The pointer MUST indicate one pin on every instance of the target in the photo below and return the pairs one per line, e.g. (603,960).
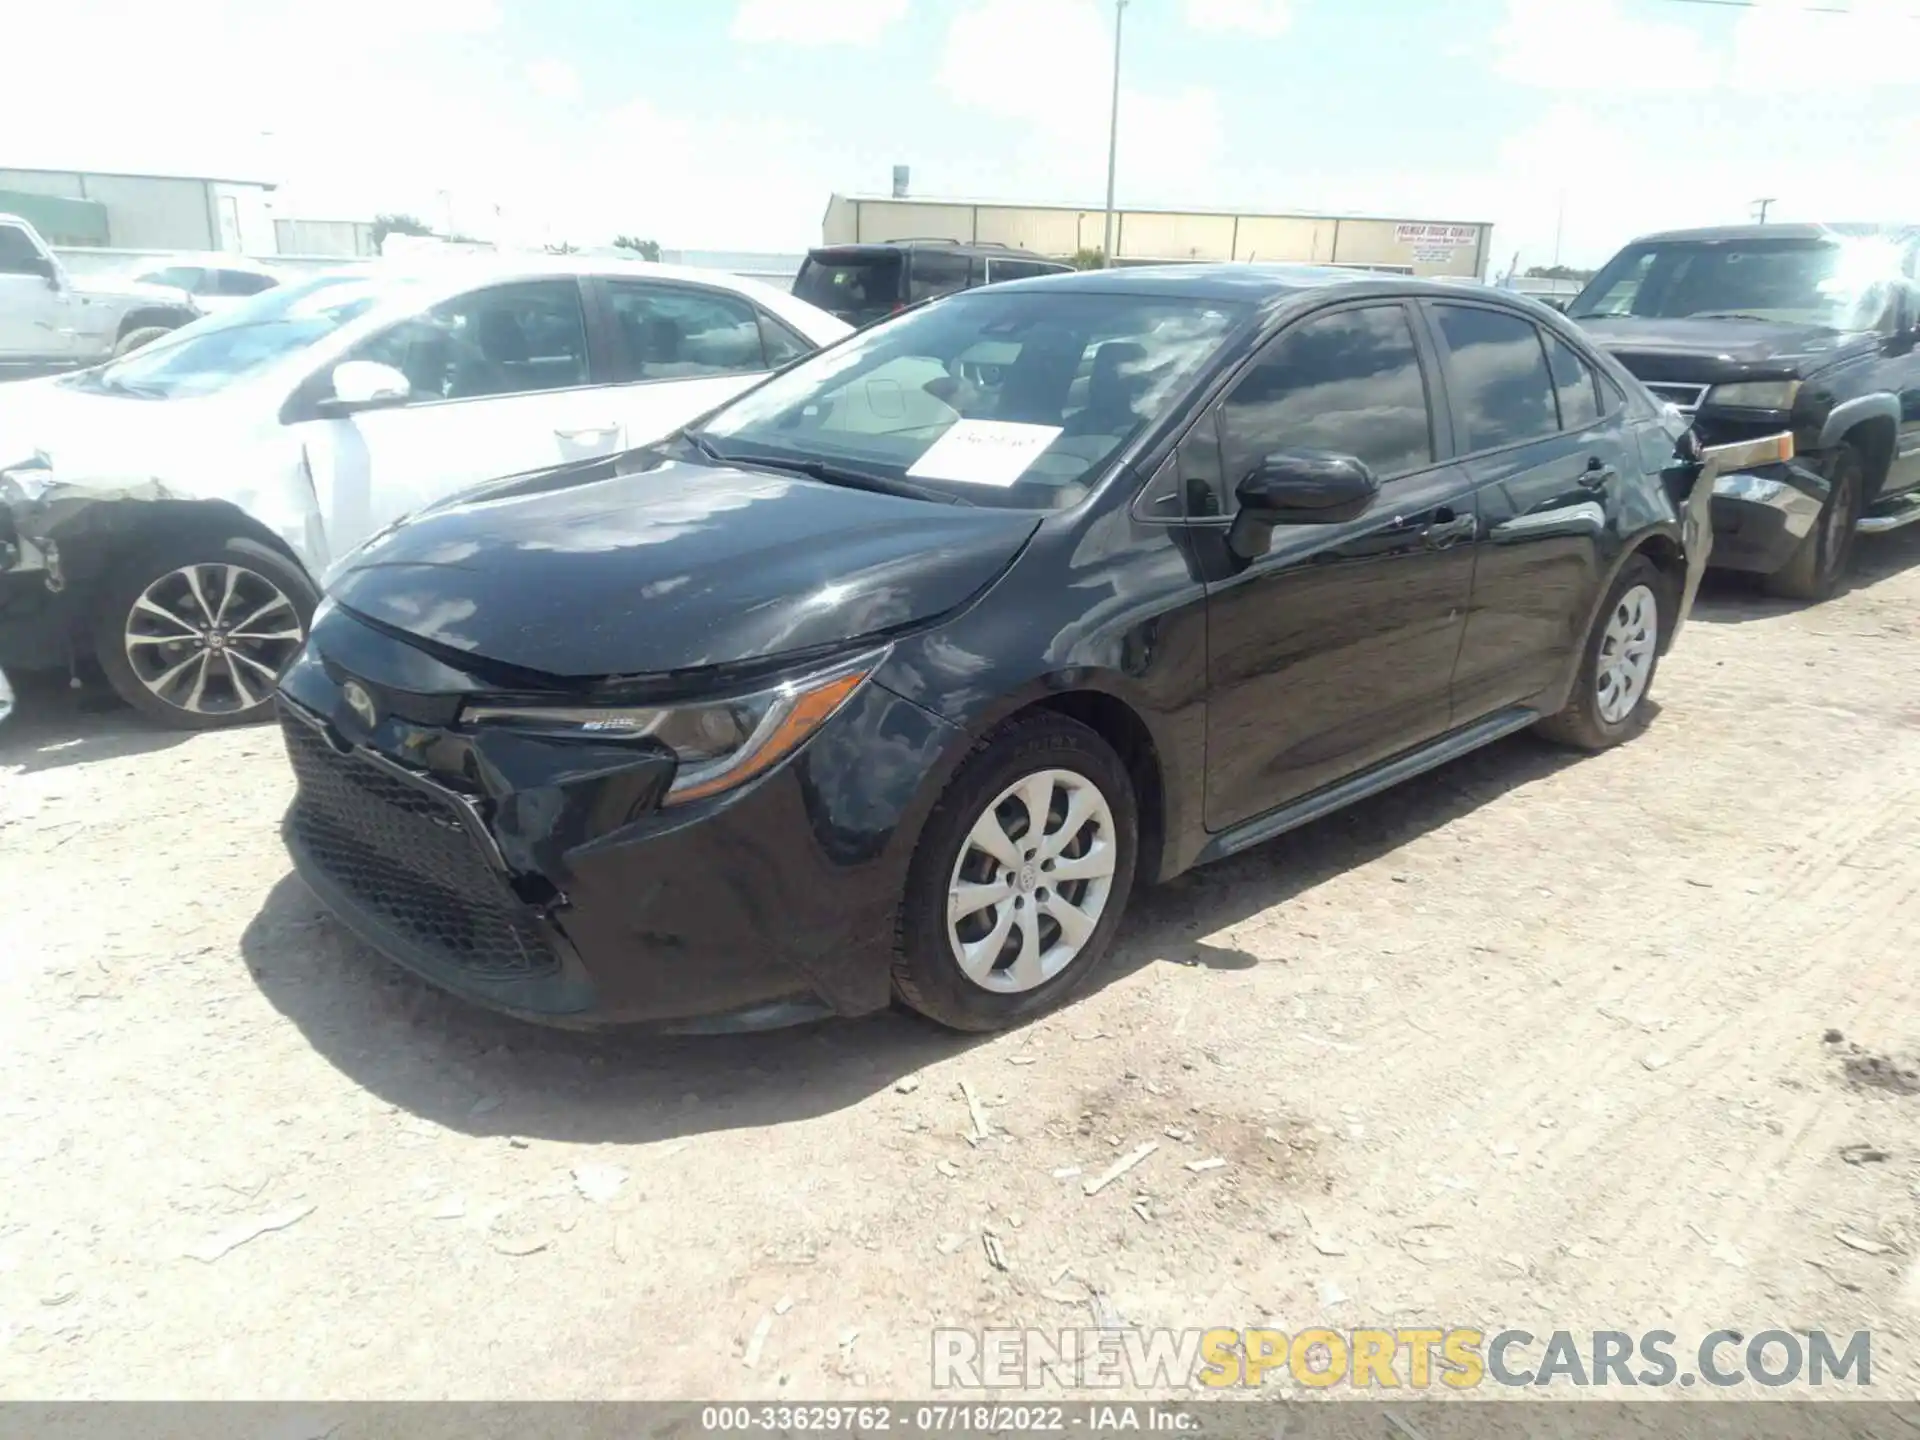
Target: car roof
(972,247)
(1841,230)
(1264,285)
(452,273)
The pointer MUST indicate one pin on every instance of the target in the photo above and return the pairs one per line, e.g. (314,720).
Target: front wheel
(194,630)
(1610,696)
(1819,565)
(134,339)
(1020,878)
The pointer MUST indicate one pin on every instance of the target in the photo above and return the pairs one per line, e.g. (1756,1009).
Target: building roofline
(984,203)
(139,175)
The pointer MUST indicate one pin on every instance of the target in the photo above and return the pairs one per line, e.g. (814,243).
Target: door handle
(1448,528)
(586,431)
(1597,475)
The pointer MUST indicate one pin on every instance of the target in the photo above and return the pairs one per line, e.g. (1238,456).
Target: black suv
(1769,327)
(863,284)
(893,674)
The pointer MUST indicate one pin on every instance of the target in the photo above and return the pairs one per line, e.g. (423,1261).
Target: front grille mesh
(404,855)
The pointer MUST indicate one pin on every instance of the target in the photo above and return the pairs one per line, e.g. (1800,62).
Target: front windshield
(213,353)
(1839,283)
(1014,398)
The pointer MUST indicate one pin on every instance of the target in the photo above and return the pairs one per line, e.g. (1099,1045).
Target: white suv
(167,514)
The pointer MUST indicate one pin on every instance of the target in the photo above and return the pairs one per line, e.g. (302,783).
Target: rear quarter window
(856,287)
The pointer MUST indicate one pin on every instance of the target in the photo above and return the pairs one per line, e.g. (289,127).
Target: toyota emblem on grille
(361,703)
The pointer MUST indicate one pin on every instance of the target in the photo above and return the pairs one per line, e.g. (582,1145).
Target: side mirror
(1298,487)
(365,385)
(43,266)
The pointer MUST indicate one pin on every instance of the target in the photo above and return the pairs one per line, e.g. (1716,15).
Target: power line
(1796,9)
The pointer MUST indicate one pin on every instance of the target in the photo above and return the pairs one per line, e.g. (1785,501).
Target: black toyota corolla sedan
(892,676)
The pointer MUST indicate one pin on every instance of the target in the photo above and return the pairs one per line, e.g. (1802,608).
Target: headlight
(1756,394)
(25,481)
(719,744)
(1756,488)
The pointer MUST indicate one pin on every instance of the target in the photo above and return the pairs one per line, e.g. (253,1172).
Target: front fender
(1849,413)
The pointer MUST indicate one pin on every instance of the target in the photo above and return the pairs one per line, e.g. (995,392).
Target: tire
(1820,564)
(134,339)
(1637,613)
(236,631)
(1077,767)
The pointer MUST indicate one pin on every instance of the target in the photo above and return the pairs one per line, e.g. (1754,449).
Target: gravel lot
(1534,1041)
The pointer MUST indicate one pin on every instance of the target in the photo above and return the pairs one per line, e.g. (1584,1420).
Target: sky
(1571,125)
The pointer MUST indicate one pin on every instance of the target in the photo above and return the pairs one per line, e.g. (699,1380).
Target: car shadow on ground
(1727,597)
(483,1074)
(54,725)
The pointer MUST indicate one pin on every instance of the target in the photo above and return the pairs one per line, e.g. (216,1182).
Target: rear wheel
(134,339)
(1820,564)
(195,630)
(1020,878)
(1609,702)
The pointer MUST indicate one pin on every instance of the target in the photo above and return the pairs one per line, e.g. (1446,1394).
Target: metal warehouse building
(1403,246)
(141,212)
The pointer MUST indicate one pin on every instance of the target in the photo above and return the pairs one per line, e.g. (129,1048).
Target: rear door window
(936,272)
(237,282)
(998,269)
(859,287)
(682,332)
(1497,377)
(1574,382)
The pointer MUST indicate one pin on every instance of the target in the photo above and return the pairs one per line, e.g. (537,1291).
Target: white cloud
(1567,45)
(1254,17)
(1876,43)
(554,79)
(815,22)
(1047,65)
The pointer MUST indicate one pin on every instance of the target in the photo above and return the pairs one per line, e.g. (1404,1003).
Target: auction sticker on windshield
(984,452)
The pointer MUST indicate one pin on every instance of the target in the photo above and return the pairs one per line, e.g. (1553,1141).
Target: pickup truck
(51,320)
(1754,329)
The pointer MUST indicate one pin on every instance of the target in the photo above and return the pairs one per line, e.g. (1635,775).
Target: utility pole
(1113,133)
(1763,204)
(1559,226)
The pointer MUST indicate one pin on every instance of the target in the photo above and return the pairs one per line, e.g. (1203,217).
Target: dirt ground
(1534,1041)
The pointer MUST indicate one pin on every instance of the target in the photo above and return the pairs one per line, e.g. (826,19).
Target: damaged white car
(166,516)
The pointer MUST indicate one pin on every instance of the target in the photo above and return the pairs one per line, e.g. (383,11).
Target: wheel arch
(1090,699)
(1661,546)
(1876,438)
(166,317)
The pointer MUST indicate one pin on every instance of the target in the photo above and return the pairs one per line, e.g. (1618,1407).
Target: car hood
(645,566)
(1715,349)
(90,437)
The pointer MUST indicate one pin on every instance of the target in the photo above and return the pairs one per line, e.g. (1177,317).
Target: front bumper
(1762,515)
(539,876)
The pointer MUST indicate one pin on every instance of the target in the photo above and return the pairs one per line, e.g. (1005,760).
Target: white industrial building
(142,212)
(1400,245)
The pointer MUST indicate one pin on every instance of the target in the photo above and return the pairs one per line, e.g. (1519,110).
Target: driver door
(502,381)
(36,316)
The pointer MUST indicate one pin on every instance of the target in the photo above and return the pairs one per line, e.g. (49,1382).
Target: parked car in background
(167,515)
(865,283)
(216,282)
(1751,329)
(51,320)
(890,676)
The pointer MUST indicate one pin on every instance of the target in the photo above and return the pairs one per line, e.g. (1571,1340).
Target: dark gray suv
(866,283)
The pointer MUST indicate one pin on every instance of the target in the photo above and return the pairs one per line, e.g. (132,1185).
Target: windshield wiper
(1731,315)
(853,479)
(706,447)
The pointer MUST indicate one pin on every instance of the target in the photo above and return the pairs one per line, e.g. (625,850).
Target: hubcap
(1626,654)
(1032,881)
(212,639)
(6,697)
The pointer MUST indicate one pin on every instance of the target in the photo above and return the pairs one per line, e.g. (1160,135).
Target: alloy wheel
(212,639)
(1627,647)
(1033,878)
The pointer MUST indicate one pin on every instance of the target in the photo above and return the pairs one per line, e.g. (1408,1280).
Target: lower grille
(406,856)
